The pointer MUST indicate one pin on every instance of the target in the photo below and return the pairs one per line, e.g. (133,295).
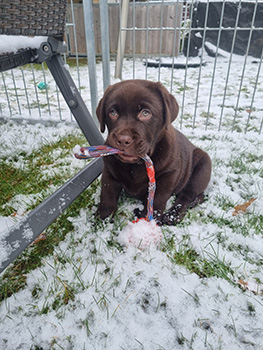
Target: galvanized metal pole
(161,41)
(187,58)
(178,12)
(7,95)
(75,41)
(35,87)
(254,94)
(215,62)
(105,47)
(133,37)
(200,68)
(229,63)
(245,62)
(122,38)
(25,89)
(90,42)
(147,39)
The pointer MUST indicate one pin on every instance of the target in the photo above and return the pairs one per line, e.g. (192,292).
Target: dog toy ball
(141,232)
(42,85)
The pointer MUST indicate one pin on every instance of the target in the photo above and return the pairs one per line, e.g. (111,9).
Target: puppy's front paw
(157,215)
(139,213)
(104,212)
(174,216)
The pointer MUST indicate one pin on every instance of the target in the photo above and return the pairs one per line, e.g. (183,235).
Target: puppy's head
(136,113)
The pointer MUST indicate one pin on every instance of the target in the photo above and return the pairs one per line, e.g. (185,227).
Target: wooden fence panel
(160,34)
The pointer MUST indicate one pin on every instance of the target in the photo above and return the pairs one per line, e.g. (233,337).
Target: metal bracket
(48,49)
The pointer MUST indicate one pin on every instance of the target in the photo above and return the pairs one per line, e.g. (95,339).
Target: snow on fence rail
(213,68)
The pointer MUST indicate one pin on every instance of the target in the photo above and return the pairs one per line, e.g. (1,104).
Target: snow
(141,234)
(176,61)
(235,1)
(76,149)
(133,298)
(5,225)
(20,138)
(27,233)
(217,50)
(14,43)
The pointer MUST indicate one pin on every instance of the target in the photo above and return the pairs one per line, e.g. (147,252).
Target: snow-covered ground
(142,299)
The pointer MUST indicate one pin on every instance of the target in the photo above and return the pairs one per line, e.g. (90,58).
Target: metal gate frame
(30,227)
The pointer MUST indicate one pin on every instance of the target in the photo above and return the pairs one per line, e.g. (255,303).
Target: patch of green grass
(249,223)
(207,264)
(72,62)
(202,267)
(207,115)
(224,202)
(239,166)
(187,116)
(195,263)
(30,179)
(14,278)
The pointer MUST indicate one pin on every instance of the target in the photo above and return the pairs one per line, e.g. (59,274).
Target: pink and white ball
(141,234)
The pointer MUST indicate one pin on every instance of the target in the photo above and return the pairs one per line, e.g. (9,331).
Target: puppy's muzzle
(124,141)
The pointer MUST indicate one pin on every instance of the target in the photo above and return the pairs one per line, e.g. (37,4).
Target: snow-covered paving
(92,293)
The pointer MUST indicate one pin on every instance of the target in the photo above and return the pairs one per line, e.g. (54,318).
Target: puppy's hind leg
(193,193)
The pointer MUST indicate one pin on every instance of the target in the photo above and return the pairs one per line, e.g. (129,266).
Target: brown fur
(138,115)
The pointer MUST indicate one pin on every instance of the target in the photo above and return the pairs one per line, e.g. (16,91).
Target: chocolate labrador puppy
(138,115)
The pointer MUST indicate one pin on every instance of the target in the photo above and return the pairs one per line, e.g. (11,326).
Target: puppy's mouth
(126,158)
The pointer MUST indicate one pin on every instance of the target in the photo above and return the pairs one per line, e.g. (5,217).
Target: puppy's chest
(134,181)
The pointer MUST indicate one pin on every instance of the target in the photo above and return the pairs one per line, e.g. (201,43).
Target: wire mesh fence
(208,54)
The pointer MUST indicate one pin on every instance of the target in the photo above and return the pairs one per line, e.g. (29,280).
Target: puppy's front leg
(162,194)
(110,192)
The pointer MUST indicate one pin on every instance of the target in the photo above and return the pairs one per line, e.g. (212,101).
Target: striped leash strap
(104,150)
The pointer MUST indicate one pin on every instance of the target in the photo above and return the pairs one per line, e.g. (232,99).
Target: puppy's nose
(124,141)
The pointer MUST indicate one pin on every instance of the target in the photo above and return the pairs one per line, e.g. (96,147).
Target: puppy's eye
(113,114)
(145,114)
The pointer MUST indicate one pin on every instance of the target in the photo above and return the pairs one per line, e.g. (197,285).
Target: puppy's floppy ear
(100,111)
(100,114)
(170,104)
